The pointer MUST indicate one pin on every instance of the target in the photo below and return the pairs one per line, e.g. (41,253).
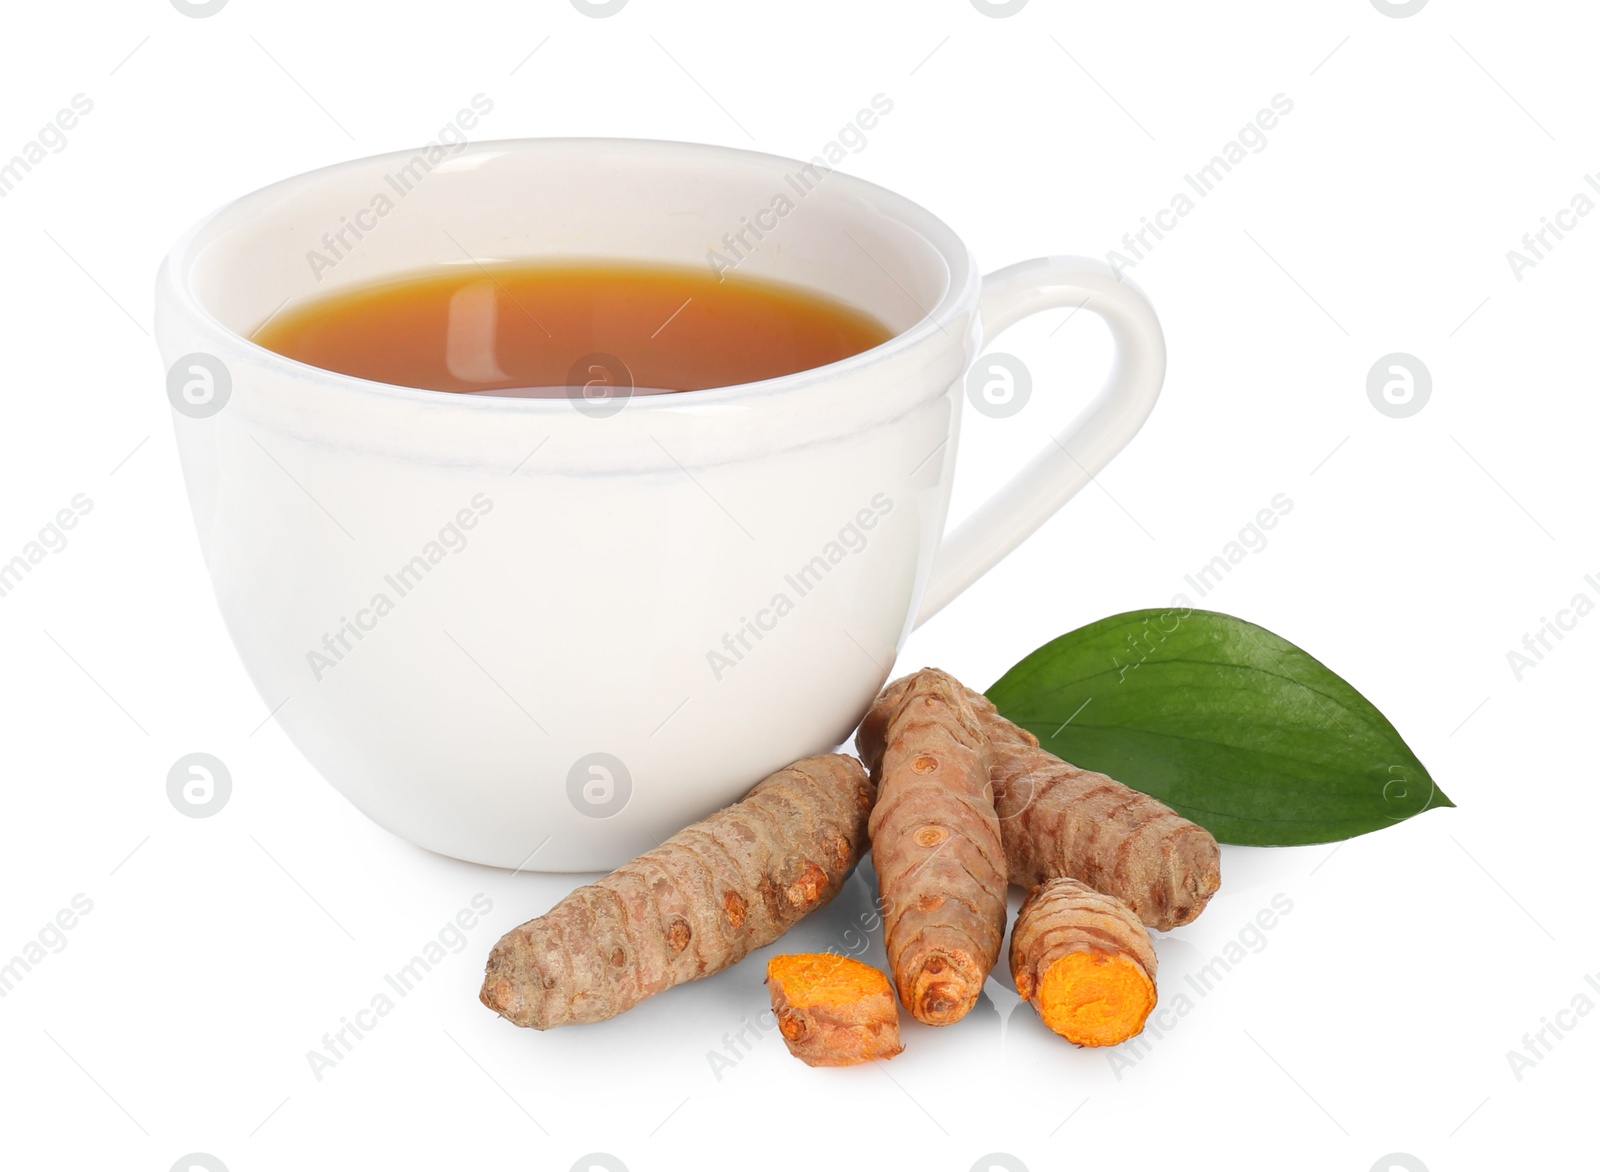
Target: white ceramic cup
(548,633)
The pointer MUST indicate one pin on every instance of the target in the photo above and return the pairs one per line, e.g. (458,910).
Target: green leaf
(1230,725)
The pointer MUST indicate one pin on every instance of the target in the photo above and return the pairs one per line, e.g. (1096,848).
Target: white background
(1377,1017)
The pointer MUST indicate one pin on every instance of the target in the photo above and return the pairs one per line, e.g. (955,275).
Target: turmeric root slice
(832,1010)
(936,845)
(691,907)
(1085,962)
(1059,820)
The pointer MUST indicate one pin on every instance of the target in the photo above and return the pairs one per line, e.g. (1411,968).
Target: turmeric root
(691,907)
(1084,961)
(936,845)
(1059,820)
(832,1010)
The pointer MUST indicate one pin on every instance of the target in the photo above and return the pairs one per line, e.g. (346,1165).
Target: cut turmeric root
(936,846)
(693,906)
(832,1010)
(1059,820)
(1085,962)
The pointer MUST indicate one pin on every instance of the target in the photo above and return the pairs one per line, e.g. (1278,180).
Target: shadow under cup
(531,634)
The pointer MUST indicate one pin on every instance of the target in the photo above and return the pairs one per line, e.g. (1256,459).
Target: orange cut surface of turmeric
(1084,962)
(833,1010)
(1095,998)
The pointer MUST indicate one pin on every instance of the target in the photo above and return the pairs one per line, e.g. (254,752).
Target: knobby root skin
(1061,821)
(832,1010)
(937,849)
(691,907)
(1084,962)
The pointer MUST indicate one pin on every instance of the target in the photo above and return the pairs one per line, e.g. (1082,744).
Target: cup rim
(958,298)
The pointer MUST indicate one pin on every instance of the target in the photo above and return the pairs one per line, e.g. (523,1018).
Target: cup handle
(1084,446)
